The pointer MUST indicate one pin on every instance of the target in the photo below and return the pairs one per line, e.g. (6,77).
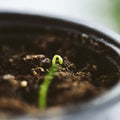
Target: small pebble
(37,70)
(34,73)
(85,36)
(11,60)
(30,57)
(95,67)
(24,83)
(75,84)
(8,77)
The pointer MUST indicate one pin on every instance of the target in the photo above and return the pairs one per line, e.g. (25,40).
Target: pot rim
(110,97)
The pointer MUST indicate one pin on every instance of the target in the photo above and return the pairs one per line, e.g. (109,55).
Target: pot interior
(91,67)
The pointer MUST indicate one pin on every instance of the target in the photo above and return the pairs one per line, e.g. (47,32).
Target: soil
(86,71)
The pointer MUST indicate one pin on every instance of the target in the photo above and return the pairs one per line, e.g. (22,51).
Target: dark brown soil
(86,71)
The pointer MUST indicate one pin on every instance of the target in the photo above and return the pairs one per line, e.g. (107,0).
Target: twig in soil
(43,89)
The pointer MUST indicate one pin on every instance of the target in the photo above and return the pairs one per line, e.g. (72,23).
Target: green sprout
(43,89)
(56,59)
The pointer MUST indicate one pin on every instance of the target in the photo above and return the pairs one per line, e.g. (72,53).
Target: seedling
(43,89)
(57,60)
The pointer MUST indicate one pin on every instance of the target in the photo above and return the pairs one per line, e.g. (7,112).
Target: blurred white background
(97,11)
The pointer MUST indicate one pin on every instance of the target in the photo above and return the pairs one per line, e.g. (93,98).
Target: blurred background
(103,12)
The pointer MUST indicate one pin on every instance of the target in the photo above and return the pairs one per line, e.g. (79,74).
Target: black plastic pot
(25,24)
